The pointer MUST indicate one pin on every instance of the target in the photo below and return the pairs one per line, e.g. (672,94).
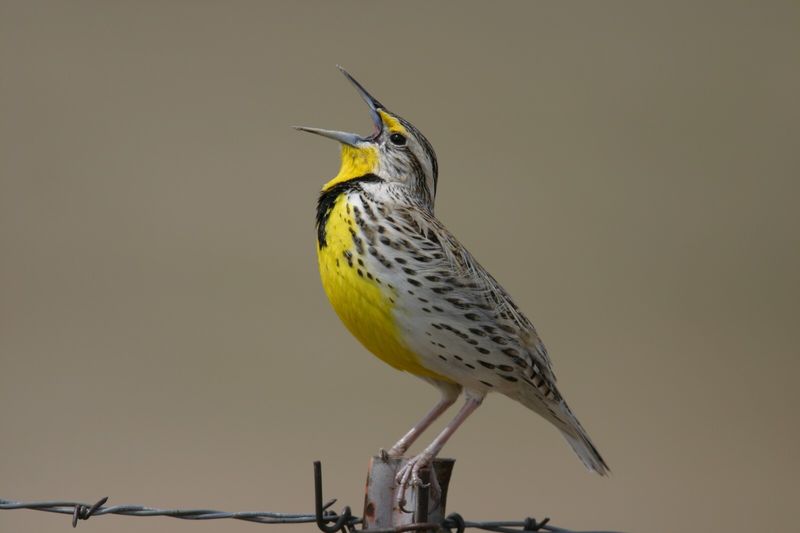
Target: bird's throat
(356,162)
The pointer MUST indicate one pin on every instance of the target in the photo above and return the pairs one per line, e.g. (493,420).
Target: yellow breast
(365,306)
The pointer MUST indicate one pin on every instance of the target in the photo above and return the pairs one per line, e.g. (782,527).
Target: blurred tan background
(628,172)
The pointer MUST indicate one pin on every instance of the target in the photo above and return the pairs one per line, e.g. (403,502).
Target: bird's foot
(408,476)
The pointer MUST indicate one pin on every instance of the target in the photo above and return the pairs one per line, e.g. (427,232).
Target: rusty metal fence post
(382,510)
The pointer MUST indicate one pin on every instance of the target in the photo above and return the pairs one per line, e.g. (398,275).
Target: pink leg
(409,473)
(449,394)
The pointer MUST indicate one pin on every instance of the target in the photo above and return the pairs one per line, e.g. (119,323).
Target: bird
(415,297)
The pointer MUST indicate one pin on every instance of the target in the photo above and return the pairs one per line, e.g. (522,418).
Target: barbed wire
(82,511)
(323,516)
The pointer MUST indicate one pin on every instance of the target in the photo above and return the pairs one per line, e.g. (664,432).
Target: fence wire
(82,511)
(326,520)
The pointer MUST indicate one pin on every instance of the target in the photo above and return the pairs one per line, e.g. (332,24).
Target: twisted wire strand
(83,511)
(453,523)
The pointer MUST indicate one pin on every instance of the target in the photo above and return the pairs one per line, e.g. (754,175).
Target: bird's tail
(563,418)
(580,442)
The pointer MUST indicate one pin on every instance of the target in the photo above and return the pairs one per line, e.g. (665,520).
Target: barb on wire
(83,513)
(327,521)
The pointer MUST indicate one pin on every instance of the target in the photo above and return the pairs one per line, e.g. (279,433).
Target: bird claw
(408,476)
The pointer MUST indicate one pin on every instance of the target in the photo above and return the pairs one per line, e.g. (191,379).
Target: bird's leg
(449,394)
(409,472)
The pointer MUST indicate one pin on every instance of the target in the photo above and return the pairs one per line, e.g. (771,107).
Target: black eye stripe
(397,139)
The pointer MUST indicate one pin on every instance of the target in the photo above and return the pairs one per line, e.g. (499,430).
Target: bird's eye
(397,139)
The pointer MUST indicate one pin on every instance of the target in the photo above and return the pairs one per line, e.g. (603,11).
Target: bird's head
(396,151)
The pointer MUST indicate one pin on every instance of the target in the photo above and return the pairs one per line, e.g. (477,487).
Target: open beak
(350,139)
(353,139)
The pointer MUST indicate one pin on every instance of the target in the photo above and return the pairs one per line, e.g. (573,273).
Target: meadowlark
(416,298)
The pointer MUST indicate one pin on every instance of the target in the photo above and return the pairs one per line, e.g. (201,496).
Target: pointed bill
(372,102)
(353,139)
(350,139)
